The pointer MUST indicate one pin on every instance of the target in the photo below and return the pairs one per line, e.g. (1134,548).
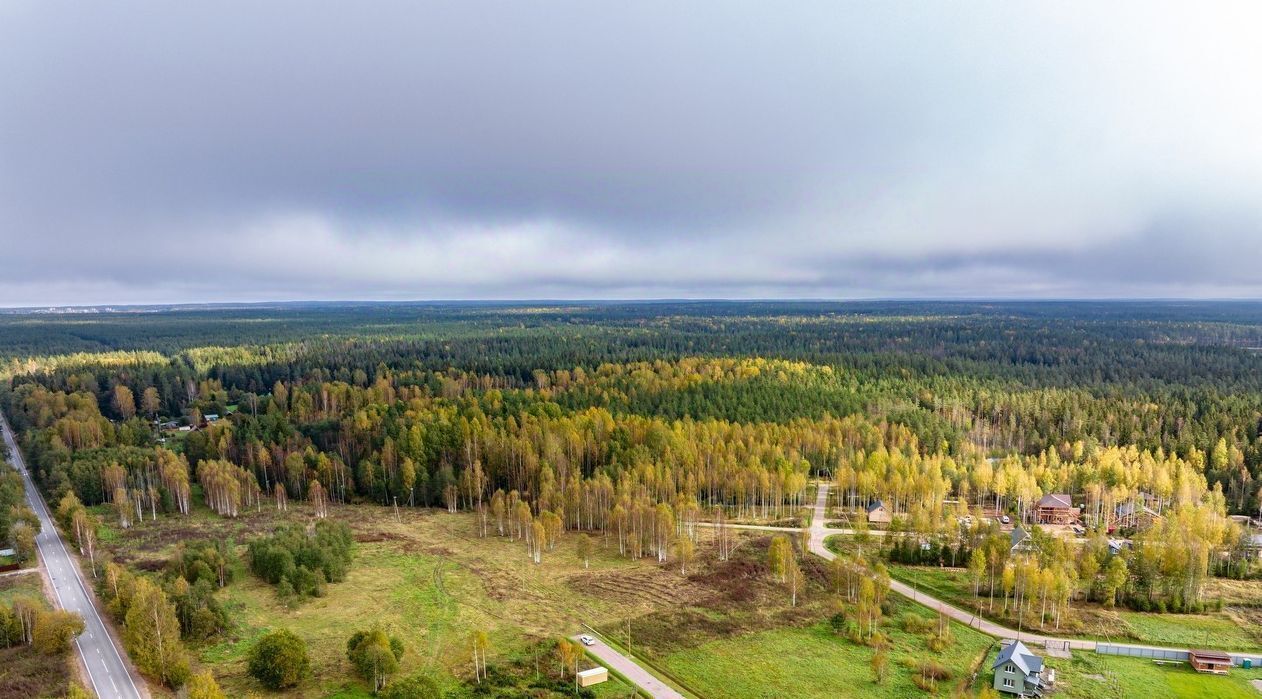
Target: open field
(814,661)
(1093,676)
(744,641)
(724,630)
(431,581)
(25,585)
(1230,629)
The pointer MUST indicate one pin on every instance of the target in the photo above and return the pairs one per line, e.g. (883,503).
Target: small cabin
(596,675)
(879,514)
(1056,508)
(1214,661)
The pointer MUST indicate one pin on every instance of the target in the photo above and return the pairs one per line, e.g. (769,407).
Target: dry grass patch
(427,576)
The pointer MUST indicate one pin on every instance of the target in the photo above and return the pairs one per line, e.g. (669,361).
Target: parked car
(1005,519)
(587,640)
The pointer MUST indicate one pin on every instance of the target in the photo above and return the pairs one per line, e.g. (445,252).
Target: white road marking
(82,601)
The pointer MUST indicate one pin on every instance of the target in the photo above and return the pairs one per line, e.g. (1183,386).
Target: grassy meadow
(1093,676)
(428,578)
(814,661)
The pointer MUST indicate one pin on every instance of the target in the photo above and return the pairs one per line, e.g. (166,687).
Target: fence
(1141,652)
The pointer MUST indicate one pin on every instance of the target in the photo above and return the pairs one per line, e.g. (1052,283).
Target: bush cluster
(301,563)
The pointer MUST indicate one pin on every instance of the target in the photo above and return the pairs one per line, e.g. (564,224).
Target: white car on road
(587,640)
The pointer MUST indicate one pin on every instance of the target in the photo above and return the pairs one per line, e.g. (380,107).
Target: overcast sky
(220,151)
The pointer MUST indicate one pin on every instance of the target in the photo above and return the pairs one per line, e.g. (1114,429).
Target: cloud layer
(161,152)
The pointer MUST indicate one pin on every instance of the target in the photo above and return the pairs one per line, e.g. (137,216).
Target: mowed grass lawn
(1094,676)
(1214,630)
(813,661)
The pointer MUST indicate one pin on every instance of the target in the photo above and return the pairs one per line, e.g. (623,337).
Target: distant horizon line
(106,307)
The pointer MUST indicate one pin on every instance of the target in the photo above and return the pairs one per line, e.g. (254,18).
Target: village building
(1020,541)
(1253,544)
(1214,661)
(1056,508)
(879,514)
(1018,671)
(1137,516)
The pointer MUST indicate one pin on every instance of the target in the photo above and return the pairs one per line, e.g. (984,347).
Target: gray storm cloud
(249,151)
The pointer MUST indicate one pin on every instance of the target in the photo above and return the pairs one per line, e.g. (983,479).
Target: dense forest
(634,422)
(961,379)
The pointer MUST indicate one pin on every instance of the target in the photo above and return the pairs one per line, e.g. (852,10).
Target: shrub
(933,670)
(929,674)
(939,642)
(55,630)
(279,660)
(201,615)
(914,623)
(414,687)
(203,686)
(374,655)
(207,561)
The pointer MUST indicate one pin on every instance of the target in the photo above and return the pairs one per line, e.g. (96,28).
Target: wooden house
(1056,508)
(1214,661)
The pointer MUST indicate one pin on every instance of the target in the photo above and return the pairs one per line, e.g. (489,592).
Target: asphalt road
(631,670)
(101,656)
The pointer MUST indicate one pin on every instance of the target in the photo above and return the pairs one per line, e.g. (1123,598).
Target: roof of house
(7,552)
(592,672)
(1211,655)
(1057,500)
(1018,535)
(1128,508)
(876,505)
(1019,655)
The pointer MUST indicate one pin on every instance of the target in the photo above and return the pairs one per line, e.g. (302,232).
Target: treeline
(18,524)
(156,615)
(453,444)
(1038,579)
(1004,378)
(30,622)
